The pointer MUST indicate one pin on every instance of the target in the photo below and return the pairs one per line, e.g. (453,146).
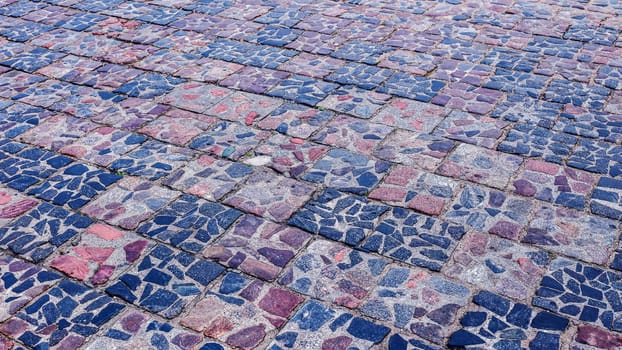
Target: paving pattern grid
(311,174)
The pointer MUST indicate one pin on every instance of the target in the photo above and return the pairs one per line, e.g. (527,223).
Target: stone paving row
(310,174)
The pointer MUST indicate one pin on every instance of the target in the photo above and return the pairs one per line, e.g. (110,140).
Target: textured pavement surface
(310,174)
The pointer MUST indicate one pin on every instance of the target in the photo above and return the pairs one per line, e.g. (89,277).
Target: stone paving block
(260,56)
(30,61)
(581,292)
(257,247)
(143,33)
(178,126)
(229,139)
(412,86)
(283,16)
(480,165)
(572,233)
(130,202)
(605,199)
(255,80)
(361,51)
(317,43)
(21,283)
(24,31)
(590,124)
(407,39)
(301,89)
(274,35)
(424,303)
(347,171)
(153,160)
(467,98)
(79,310)
(517,82)
(353,134)
(189,223)
(14,82)
(17,118)
(243,107)
(131,114)
(355,101)
(185,41)
(80,21)
(270,195)
(609,77)
(471,128)
(553,47)
(537,142)
(462,71)
(149,85)
(408,342)
(162,15)
(13,205)
(414,238)
(86,102)
(46,93)
(408,61)
(100,254)
(167,61)
(35,235)
(592,34)
(461,50)
(208,177)
(315,66)
(137,330)
(420,150)
(208,70)
(410,115)
(107,77)
(569,69)
(594,338)
(333,273)
(368,32)
(512,59)
(75,186)
(564,91)
(597,157)
(504,266)
(287,155)
(165,281)
(421,191)
(20,8)
(600,54)
(339,217)
(295,120)
(498,322)
(322,24)
(362,75)
(614,105)
(490,211)
(196,97)
(554,183)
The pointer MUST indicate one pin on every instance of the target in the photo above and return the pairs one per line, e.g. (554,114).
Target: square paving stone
(58,131)
(590,124)
(609,77)
(504,266)
(499,322)
(178,126)
(330,272)
(581,292)
(100,254)
(594,338)
(87,102)
(424,303)
(274,35)
(257,247)
(183,40)
(229,139)
(554,183)
(572,233)
(347,171)
(21,283)
(412,87)
(511,59)
(79,310)
(255,80)
(190,223)
(130,202)
(270,195)
(75,186)
(317,43)
(570,69)
(243,107)
(107,77)
(421,191)
(322,24)
(412,149)
(241,311)
(353,134)
(410,115)
(565,91)
(17,118)
(361,51)
(597,157)
(452,70)
(480,165)
(467,98)
(313,65)
(208,177)
(29,166)
(140,330)
(24,31)
(361,75)
(30,61)
(339,329)
(413,238)
(355,101)
(14,82)
(490,211)
(471,128)
(260,56)
(339,217)
(408,342)
(516,82)
(167,61)
(302,89)
(534,141)
(46,93)
(165,281)
(149,85)
(408,61)
(131,114)
(153,160)
(13,204)
(523,110)
(592,34)
(196,97)
(208,70)
(103,145)
(606,198)
(283,15)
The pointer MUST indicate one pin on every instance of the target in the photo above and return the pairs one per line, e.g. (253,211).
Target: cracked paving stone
(208,70)
(149,85)
(313,65)
(412,87)
(578,94)
(258,80)
(537,142)
(363,76)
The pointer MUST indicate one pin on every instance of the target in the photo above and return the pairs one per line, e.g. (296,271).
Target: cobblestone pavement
(311,174)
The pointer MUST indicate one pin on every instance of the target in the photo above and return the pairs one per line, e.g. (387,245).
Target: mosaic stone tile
(153,160)
(15,119)
(29,166)
(57,131)
(600,54)
(10,49)
(46,93)
(284,16)
(178,126)
(462,50)
(322,24)
(517,108)
(339,217)
(162,15)
(569,69)
(418,41)
(498,322)
(490,211)
(510,59)
(257,247)
(166,61)
(197,97)
(354,101)
(295,120)
(127,53)
(197,22)
(131,114)
(410,115)
(228,139)
(14,82)
(581,292)
(68,67)
(592,34)
(424,303)
(361,51)
(86,102)
(605,199)
(614,105)
(208,70)
(408,61)
(80,21)
(128,10)
(100,255)
(79,309)
(36,235)
(145,33)
(130,202)
(270,195)
(106,77)
(461,71)
(347,171)
(243,107)
(341,329)
(245,11)
(13,205)
(537,142)
(103,145)
(412,86)
(594,338)
(30,61)
(210,8)
(315,66)
(467,98)
(274,36)
(136,330)
(149,85)
(361,75)
(20,8)
(609,77)
(165,281)
(471,128)
(421,150)
(208,177)
(553,47)
(517,82)
(476,164)
(317,43)
(421,191)
(597,157)
(255,80)
(506,40)
(184,41)
(24,31)
(353,134)
(369,32)
(564,91)
(287,155)
(261,56)
(113,27)
(302,89)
